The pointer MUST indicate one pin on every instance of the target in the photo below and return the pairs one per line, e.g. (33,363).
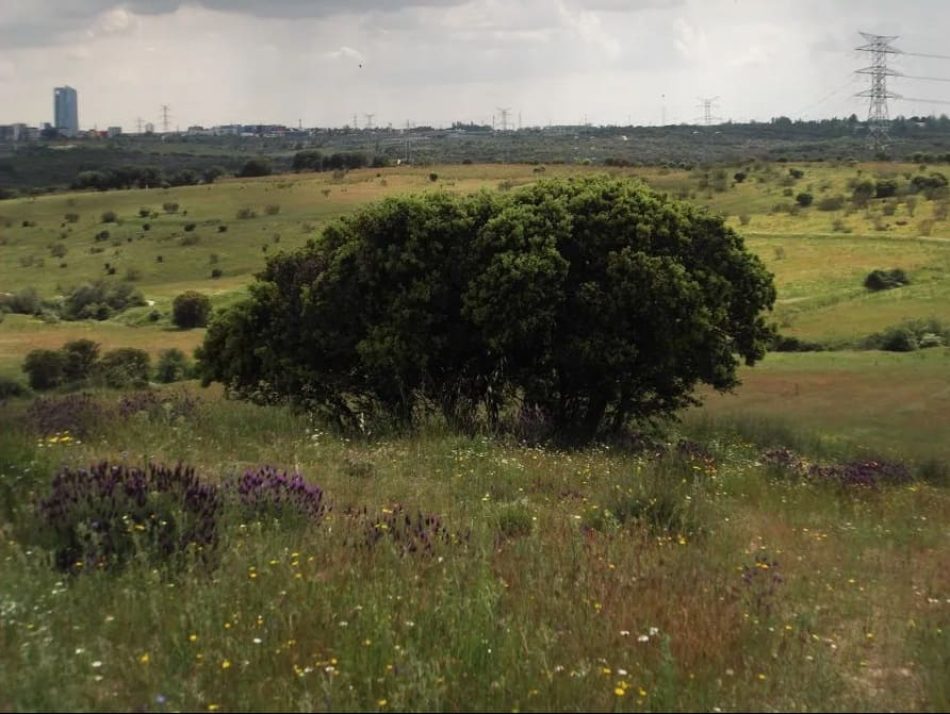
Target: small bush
(145,212)
(216,273)
(172,366)
(271,209)
(25,302)
(189,227)
(100,300)
(104,516)
(170,207)
(125,367)
(246,213)
(191,309)
(44,368)
(71,218)
(804,199)
(78,415)
(433,177)
(222,229)
(273,496)
(744,219)
(886,279)
(80,360)
(255,168)
(12,389)
(831,203)
(109,217)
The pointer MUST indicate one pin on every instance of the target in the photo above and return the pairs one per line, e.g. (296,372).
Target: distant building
(66,110)
(114,131)
(149,128)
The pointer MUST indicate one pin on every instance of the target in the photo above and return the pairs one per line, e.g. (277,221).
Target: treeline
(127,177)
(314,160)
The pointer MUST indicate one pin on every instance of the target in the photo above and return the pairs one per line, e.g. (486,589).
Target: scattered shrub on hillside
(71,217)
(24,302)
(125,367)
(189,239)
(934,185)
(272,496)
(909,336)
(245,213)
(44,368)
(216,273)
(191,309)
(886,279)
(189,227)
(254,168)
(271,209)
(104,516)
(58,250)
(80,358)
(863,192)
(100,300)
(172,366)
(796,173)
(170,207)
(739,176)
(109,217)
(145,212)
(839,225)
(804,199)
(785,343)
(885,188)
(222,229)
(744,219)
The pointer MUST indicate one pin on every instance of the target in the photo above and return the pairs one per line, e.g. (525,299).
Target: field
(698,573)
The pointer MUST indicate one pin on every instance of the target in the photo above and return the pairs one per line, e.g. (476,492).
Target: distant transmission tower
(708,104)
(504,111)
(879,46)
(138,123)
(165,117)
(369,121)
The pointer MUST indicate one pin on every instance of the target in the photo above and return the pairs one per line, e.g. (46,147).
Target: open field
(691,575)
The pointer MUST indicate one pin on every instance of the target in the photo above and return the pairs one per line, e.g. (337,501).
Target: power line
(925,54)
(707,104)
(879,47)
(926,79)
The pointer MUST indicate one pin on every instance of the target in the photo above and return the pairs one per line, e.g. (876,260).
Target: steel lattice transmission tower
(879,47)
(707,104)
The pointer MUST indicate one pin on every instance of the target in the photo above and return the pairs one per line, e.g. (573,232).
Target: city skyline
(438,61)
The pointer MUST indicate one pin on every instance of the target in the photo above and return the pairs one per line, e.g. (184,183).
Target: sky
(320,62)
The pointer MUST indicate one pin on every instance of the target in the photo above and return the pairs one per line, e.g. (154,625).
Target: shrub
(75,414)
(744,219)
(71,217)
(266,494)
(216,273)
(245,213)
(886,279)
(12,389)
(804,199)
(102,517)
(885,188)
(145,212)
(739,176)
(255,167)
(796,173)
(433,177)
(172,366)
(109,217)
(189,227)
(170,207)
(44,368)
(100,300)
(459,303)
(25,302)
(271,209)
(80,359)
(125,367)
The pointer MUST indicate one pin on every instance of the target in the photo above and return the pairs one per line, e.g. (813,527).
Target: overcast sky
(437,61)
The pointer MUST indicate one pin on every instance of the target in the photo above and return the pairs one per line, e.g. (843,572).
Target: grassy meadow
(697,573)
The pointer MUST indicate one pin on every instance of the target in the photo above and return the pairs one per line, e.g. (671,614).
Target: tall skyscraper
(66,110)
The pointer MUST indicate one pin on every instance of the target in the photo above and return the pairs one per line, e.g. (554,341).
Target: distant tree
(804,199)
(255,167)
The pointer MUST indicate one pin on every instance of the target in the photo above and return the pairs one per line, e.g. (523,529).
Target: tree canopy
(584,302)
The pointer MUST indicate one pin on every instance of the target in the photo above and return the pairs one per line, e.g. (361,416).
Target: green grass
(570,557)
(545,616)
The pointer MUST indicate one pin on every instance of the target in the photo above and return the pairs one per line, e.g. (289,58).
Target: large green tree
(588,301)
